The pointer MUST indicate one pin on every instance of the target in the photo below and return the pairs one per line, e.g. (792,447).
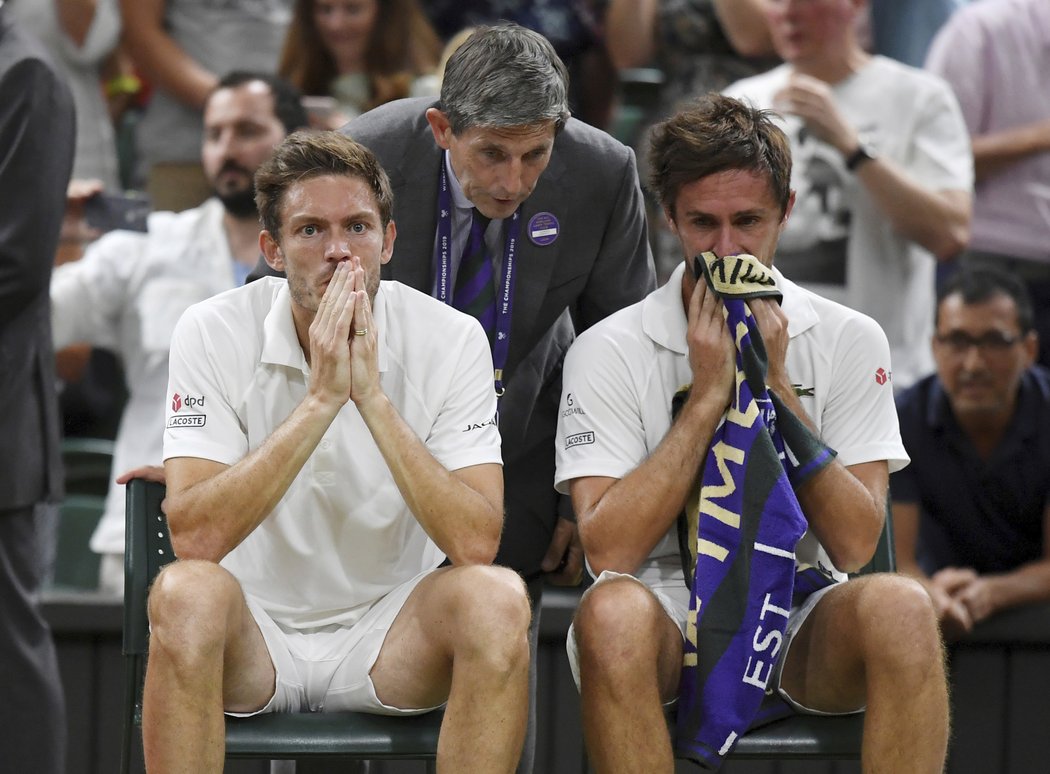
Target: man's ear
(1031,347)
(440,127)
(271,251)
(790,206)
(389,235)
(669,217)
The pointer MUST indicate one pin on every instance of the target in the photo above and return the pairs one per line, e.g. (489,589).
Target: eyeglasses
(990,343)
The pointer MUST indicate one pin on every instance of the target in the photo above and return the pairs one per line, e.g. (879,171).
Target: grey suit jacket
(599,263)
(36,156)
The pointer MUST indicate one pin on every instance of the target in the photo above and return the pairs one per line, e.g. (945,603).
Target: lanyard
(505,291)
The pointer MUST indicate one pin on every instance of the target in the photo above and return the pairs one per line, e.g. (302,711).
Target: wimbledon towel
(744,524)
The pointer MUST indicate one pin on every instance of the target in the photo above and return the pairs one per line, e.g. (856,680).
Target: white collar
(459,199)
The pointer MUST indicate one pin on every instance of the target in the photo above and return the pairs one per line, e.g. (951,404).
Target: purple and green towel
(740,529)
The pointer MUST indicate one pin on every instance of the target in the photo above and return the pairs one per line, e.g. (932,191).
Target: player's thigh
(824,667)
(475,611)
(197,608)
(875,622)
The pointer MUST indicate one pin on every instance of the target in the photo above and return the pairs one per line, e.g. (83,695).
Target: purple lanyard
(505,291)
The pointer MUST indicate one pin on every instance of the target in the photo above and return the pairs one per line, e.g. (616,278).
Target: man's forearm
(997,151)
(464,522)
(1027,584)
(937,220)
(211,514)
(620,528)
(842,510)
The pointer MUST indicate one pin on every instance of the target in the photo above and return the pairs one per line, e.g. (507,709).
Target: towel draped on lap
(739,533)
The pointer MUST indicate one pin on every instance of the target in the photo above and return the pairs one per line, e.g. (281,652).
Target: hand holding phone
(106,212)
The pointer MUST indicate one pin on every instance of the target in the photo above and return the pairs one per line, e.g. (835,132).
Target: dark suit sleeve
(623,271)
(34,172)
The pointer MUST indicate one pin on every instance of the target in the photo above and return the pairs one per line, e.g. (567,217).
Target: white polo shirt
(342,536)
(621,374)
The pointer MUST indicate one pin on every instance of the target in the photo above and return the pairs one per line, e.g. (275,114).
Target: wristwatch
(864,153)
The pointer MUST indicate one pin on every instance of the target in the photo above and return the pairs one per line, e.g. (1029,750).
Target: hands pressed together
(343,356)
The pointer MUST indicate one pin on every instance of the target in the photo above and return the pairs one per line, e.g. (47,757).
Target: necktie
(475,293)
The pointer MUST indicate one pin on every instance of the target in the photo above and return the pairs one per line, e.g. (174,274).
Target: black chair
(88,464)
(345,735)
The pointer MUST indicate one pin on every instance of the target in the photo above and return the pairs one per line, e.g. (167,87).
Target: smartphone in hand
(106,212)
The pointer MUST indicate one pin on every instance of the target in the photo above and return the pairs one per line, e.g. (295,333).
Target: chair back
(147,548)
(76,566)
(88,464)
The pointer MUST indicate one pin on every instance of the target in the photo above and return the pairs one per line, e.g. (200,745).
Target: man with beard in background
(130,288)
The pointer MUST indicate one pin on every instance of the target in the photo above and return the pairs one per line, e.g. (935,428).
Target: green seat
(76,565)
(88,464)
(346,735)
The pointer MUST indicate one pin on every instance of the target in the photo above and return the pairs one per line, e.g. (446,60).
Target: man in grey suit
(567,240)
(36,156)
(502,136)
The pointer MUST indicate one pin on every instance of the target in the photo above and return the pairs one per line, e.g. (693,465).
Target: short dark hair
(977,284)
(287,100)
(504,75)
(309,154)
(714,134)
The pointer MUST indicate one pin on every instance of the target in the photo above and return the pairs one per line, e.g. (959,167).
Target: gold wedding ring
(361,332)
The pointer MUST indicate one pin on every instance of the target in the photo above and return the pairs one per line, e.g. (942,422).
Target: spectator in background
(698,46)
(81,37)
(970,512)
(996,54)
(181,47)
(883,172)
(37,138)
(361,53)
(903,29)
(130,288)
(572,26)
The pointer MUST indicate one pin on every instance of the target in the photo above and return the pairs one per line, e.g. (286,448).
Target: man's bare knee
(491,611)
(615,624)
(898,623)
(190,605)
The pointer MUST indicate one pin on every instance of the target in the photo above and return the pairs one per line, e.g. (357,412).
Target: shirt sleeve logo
(178,402)
(579,439)
(882,376)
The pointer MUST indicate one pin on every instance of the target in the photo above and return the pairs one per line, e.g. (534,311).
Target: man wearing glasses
(970,512)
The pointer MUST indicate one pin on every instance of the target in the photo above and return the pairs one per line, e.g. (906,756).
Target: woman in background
(359,53)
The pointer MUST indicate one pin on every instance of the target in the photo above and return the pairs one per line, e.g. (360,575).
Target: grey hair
(504,75)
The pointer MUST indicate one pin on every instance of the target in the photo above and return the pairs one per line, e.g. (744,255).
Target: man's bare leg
(630,661)
(463,635)
(875,640)
(204,645)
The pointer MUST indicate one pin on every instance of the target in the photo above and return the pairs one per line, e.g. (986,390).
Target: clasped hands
(343,351)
